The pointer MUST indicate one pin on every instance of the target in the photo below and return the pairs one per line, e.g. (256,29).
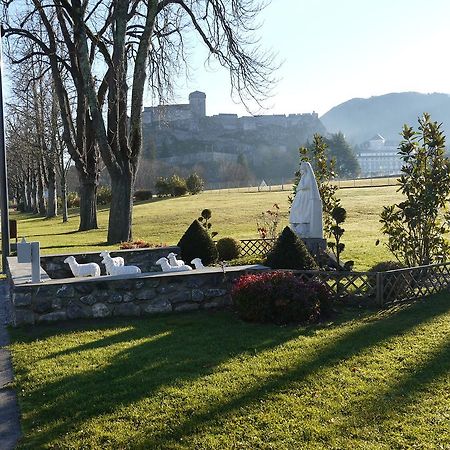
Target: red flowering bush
(279,297)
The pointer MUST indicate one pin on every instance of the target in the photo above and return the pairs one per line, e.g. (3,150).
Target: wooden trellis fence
(256,247)
(386,287)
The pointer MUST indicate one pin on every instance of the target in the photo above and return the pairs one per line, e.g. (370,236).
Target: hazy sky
(336,50)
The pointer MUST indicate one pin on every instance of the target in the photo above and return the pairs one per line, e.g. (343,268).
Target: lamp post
(3,172)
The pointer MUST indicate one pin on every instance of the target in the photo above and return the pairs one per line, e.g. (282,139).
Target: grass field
(368,380)
(234,214)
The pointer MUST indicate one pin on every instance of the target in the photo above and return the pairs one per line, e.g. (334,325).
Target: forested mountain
(359,118)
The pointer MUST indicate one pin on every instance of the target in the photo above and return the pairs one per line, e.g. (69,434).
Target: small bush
(194,184)
(278,297)
(289,252)
(228,248)
(177,186)
(104,195)
(197,243)
(143,195)
(162,187)
(73,200)
(246,260)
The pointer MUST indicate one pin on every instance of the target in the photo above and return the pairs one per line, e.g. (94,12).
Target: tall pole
(4,206)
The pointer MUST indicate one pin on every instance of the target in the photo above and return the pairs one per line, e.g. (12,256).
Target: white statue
(166,267)
(117,261)
(306,209)
(197,263)
(173,261)
(82,270)
(113,269)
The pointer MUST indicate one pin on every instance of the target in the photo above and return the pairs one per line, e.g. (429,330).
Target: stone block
(53,316)
(167,288)
(114,297)
(186,307)
(151,283)
(157,307)
(84,288)
(57,303)
(42,305)
(22,298)
(197,295)
(127,309)
(128,297)
(88,299)
(180,297)
(65,291)
(215,292)
(23,317)
(75,311)
(100,310)
(146,294)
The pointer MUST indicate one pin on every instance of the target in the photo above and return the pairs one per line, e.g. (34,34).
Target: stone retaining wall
(133,295)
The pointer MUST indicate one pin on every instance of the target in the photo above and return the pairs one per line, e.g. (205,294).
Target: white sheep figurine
(173,261)
(112,269)
(166,267)
(197,263)
(116,261)
(82,270)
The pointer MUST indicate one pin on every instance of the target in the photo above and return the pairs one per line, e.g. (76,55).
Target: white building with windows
(378,157)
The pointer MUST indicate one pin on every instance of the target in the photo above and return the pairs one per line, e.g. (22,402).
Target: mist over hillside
(359,119)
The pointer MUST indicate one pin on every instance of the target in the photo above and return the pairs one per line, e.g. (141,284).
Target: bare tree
(112,45)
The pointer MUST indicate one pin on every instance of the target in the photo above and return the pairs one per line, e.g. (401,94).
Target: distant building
(191,113)
(378,157)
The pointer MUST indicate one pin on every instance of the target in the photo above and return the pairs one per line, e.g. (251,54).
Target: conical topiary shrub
(289,252)
(197,243)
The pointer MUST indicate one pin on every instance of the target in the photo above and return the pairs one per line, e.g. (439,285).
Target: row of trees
(95,59)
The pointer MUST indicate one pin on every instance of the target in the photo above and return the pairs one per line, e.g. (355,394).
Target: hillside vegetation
(234,214)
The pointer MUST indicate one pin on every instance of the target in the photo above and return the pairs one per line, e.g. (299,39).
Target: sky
(333,51)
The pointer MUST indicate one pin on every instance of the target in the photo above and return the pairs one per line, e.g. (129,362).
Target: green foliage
(162,187)
(228,248)
(267,223)
(143,195)
(340,150)
(73,200)
(246,260)
(338,216)
(177,186)
(204,219)
(323,165)
(197,243)
(416,227)
(289,252)
(194,183)
(104,195)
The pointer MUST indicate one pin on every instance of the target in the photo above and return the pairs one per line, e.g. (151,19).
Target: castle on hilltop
(192,114)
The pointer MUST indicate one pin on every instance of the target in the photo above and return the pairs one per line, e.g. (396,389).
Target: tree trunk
(65,215)
(40,193)
(52,203)
(88,204)
(120,214)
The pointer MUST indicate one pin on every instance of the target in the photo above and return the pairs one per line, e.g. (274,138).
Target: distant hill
(359,118)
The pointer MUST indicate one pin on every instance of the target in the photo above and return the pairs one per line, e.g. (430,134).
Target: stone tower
(197,100)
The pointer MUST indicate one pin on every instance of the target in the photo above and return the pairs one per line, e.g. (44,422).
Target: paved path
(9,409)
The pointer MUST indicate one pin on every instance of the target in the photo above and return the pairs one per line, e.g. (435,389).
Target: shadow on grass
(182,349)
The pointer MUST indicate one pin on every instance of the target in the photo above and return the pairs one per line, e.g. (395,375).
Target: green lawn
(368,380)
(234,214)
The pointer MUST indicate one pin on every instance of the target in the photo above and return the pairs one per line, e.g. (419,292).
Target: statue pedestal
(316,246)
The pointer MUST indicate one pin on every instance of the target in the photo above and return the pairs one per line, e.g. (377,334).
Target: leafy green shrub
(73,200)
(246,260)
(289,252)
(197,243)
(177,186)
(142,195)
(194,184)
(104,195)
(279,297)
(228,248)
(205,215)
(162,187)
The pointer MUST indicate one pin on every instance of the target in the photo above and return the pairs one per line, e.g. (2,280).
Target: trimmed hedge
(197,243)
